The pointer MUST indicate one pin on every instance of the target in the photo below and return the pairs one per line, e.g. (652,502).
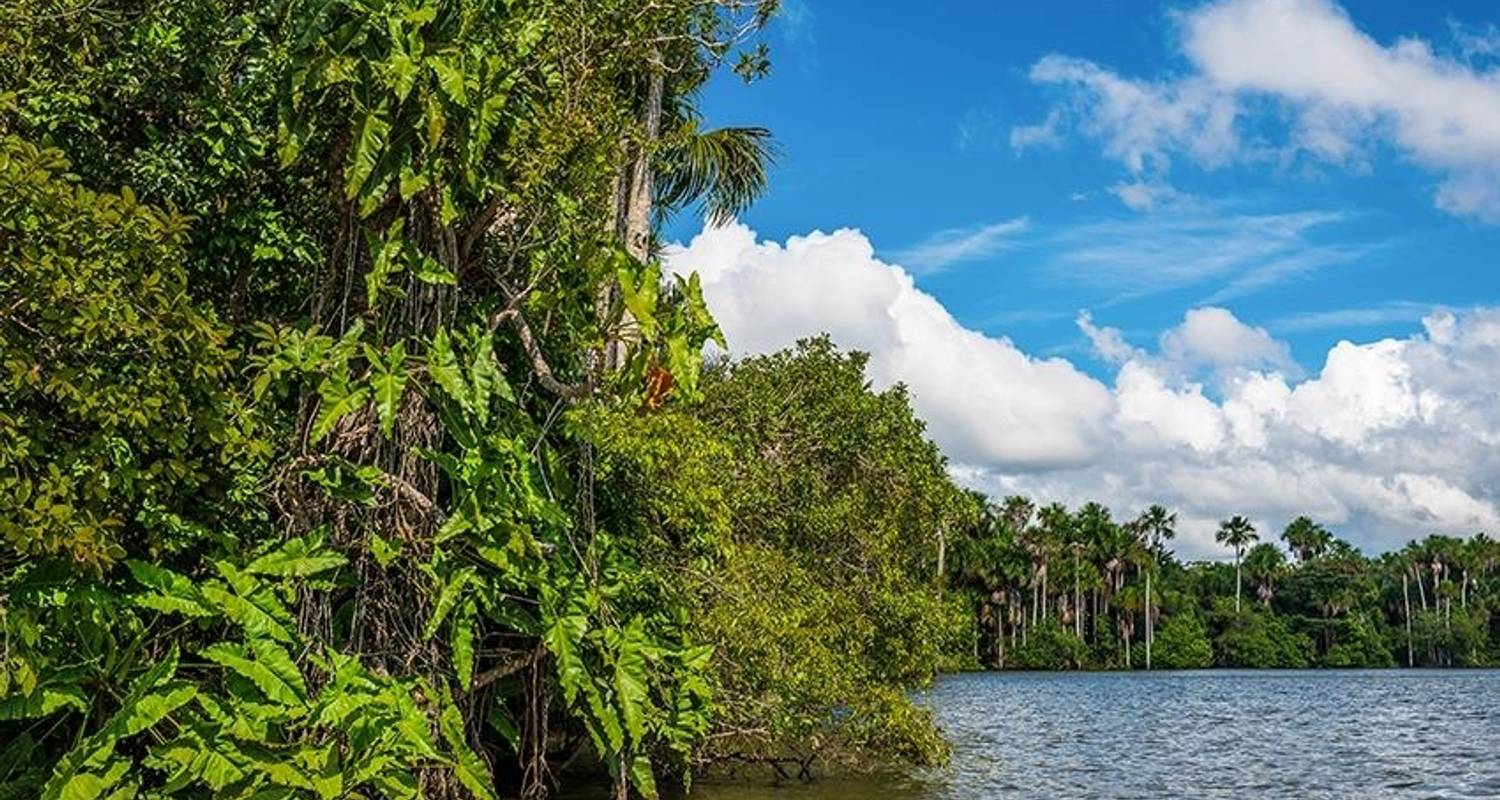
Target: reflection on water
(1221,734)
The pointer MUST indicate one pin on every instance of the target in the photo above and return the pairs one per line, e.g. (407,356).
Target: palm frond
(725,168)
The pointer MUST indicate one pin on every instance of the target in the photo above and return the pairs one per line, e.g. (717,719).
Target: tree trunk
(1044,590)
(1421,587)
(1236,582)
(1000,635)
(393,602)
(1406,601)
(942,556)
(1148,620)
(636,196)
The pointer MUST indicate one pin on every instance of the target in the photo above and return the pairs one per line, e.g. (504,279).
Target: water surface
(1215,734)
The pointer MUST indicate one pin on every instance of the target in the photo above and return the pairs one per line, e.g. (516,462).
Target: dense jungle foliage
(1054,589)
(353,443)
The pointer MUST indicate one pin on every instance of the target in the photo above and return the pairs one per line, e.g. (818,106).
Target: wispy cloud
(797,22)
(1235,253)
(957,245)
(1344,318)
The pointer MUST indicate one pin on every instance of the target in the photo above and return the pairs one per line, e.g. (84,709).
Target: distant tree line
(1055,589)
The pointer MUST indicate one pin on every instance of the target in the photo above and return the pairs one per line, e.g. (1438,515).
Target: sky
(1233,256)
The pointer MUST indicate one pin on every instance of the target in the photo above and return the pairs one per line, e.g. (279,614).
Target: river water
(1213,734)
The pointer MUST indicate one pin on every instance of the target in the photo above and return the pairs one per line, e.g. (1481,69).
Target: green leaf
(630,680)
(448,597)
(462,642)
(442,365)
(42,701)
(385,550)
(388,379)
(402,71)
(174,593)
(370,134)
(643,778)
(153,708)
(336,404)
(272,682)
(450,77)
(386,259)
(297,557)
(640,297)
(467,766)
(247,614)
(428,270)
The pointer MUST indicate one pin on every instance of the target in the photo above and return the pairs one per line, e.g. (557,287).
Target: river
(1211,734)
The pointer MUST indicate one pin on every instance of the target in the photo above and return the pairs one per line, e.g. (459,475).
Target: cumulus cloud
(1389,440)
(1306,66)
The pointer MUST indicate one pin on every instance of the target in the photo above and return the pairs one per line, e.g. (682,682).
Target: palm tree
(1159,526)
(1095,528)
(725,168)
(1306,538)
(1238,533)
(1127,602)
(1265,564)
(1053,524)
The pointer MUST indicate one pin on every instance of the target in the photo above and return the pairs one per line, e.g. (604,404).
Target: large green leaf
(462,642)
(449,593)
(297,557)
(442,365)
(642,777)
(151,709)
(370,134)
(42,701)
(256,621)
(468,767)
(388,379)
(174,593)
(630,680)
(272,679)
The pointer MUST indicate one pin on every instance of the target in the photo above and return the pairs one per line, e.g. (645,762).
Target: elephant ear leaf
(388,379)
(630,680)
(642,777)
(338,401)
(468,767)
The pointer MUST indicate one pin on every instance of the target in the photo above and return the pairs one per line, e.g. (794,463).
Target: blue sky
(1234,256)
(897,119)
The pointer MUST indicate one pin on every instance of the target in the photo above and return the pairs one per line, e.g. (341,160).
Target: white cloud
(1305,62)
(1141,195)
(1391,439)
(983,398)
(1109,343)
(1352,317)
(957,245)
(1214,337)
(1196,246)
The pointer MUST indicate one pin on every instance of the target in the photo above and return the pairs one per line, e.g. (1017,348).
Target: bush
(1181,643)
(1051,646)
(1259,640)
(112,406)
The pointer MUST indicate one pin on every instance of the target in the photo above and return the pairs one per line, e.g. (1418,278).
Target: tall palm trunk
(942,556)
(1077,600)
(1000,635)
(1236,581)
(635,194)
(1148,620)
(1044,590)
(1406,601)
